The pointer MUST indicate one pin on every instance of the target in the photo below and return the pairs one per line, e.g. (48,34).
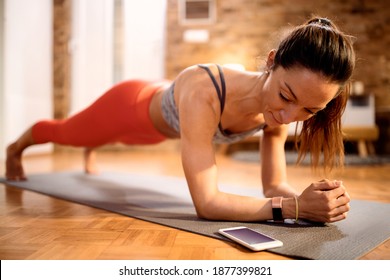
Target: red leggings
(119,115)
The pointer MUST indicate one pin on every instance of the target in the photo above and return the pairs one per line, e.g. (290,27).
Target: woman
(306,79)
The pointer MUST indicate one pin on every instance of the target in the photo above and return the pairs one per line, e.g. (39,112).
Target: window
(197,11)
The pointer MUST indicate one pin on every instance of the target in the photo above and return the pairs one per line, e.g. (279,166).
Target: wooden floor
(35,226)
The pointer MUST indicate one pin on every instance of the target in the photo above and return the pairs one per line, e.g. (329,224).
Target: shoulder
(198,77)
(194,84)
(195,75)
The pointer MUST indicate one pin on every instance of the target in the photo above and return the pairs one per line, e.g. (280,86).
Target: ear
(271,59)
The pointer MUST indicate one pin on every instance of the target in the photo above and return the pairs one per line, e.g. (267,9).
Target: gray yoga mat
(166,200)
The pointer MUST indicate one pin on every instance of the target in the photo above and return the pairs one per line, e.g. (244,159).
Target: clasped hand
(324,201)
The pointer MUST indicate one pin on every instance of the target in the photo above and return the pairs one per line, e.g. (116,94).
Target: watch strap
(277,209)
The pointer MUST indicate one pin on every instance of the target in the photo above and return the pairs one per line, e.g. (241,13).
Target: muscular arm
(210,203)
(199,117)
(324,201)
(273,163)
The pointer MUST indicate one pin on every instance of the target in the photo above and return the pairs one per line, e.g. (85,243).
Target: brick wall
(245,30)
(61,57)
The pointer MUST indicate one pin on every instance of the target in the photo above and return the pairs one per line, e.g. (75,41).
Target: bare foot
(14,169)
(90,166)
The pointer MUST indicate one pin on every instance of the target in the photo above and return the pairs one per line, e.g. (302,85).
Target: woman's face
(295,94)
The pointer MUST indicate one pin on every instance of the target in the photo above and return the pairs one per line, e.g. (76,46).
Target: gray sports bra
(171,115)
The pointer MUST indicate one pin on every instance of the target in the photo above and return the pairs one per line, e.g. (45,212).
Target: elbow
(201,214)
(205,211)
(268,192)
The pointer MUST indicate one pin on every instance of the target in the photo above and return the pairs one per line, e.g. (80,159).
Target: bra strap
(221,93)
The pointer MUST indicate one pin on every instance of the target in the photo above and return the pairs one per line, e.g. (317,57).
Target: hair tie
(321,21)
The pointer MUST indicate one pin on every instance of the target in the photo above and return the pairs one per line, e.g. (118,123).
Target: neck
(258,91)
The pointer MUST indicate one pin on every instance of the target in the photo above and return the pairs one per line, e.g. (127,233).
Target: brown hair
(318,45)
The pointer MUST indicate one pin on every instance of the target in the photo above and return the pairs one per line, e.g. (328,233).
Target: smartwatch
(277,209)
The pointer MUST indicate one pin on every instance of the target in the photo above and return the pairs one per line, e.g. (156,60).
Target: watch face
(277,214)
(277,209)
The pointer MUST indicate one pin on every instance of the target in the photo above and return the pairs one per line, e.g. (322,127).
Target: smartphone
(250,238)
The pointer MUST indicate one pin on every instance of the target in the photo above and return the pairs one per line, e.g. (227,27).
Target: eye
(310,112)
(284,98)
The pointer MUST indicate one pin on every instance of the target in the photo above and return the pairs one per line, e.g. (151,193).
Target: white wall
(2,105)
(92,45)
(26,59)
(145,25)
(91,50)
(26,90)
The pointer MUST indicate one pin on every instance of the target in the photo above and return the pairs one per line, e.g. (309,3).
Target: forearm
(230,207)
(273,165)
(282,189)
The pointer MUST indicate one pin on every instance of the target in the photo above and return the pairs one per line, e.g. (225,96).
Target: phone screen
(249,236)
